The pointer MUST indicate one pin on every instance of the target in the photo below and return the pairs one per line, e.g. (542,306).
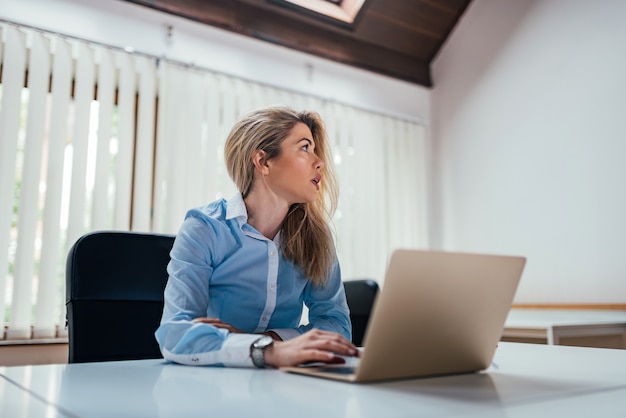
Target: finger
(342,348)
(216,323)
(312,356)
(222,325)
(335,345)
(320,335)
(328,335)
(208,320)
(337,360)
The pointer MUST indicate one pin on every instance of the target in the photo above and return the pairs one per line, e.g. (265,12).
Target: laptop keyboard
(338,370)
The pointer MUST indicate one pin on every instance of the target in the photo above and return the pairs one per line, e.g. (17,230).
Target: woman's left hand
(218,323)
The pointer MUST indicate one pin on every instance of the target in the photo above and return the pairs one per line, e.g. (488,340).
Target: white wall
(529,143)
(122,24)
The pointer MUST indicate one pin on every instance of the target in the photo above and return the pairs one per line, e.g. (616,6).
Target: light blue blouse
(222,267)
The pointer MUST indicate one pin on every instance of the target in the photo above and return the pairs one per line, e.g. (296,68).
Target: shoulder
(213,212)
(206,229)
(206,222)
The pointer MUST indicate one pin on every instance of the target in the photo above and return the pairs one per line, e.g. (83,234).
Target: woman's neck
(266,213)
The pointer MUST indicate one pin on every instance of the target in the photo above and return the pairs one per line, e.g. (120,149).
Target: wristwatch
(257,351)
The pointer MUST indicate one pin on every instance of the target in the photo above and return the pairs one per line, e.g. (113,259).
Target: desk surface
(525,380)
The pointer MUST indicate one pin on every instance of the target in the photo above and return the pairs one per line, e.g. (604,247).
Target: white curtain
(98,138)
(77,156)
(13,71)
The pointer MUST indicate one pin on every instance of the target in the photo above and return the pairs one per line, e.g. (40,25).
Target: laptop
(438,313)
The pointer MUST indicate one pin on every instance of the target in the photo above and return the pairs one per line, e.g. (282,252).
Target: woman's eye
(305,148)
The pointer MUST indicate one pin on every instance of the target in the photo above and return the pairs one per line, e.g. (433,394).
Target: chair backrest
(114,295)
(360,295)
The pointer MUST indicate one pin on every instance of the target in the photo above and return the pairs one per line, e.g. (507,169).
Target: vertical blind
(96,138)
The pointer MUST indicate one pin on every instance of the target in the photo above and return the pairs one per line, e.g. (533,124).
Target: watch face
(263,342)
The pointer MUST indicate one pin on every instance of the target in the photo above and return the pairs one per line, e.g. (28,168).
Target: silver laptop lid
(438,313)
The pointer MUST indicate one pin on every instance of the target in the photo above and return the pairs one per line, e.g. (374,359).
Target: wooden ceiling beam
(402,51)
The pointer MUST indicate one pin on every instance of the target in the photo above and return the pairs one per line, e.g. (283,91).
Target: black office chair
(114,295)
(361,295)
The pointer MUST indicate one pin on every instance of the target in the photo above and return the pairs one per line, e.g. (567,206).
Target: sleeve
(328,308)
(187,297)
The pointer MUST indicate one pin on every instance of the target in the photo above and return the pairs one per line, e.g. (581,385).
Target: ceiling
(397,38)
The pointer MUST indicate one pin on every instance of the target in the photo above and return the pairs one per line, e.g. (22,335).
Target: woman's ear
(260,163)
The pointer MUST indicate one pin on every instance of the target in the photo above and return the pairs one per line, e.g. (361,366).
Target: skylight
(344,11)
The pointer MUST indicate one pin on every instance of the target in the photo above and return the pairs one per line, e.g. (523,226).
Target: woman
(242,268)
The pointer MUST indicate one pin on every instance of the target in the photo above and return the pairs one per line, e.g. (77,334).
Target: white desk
(586,328)
(526,380)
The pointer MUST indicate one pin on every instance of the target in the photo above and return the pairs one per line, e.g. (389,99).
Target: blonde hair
(306,238)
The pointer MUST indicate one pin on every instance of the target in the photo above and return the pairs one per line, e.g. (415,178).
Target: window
(341,12)
(99,138)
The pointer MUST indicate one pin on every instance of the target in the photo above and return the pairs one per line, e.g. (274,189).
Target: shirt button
(271,253)
(272,286)
(264,318)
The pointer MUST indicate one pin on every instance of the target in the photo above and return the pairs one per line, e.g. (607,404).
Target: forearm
(202,344)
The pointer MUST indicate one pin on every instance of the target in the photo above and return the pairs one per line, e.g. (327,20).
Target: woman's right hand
(312,346)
